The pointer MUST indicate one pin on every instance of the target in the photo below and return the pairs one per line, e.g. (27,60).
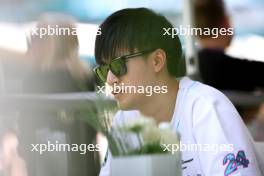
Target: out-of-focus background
(44,85)
(18,16)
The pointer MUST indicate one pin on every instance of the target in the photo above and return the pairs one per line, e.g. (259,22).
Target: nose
(111,79)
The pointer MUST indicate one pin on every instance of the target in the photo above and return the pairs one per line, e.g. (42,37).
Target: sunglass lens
(118,67)
(102,72)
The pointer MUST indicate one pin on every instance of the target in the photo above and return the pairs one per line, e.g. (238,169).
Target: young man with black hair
(132,50)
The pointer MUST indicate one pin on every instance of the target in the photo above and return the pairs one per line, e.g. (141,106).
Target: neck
(161,106)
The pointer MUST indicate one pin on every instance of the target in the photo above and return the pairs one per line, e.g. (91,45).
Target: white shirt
(206,118)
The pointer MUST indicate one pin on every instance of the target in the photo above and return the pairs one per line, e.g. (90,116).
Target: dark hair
(137,28)
(209,13)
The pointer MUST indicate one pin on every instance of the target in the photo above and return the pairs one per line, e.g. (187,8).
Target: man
(200,113)
(216,68)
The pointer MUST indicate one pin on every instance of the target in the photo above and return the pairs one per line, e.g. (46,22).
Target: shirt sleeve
(228,148)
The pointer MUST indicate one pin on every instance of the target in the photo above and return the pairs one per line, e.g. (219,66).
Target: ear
(159,60)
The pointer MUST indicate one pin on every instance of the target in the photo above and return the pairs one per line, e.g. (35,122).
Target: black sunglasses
(117,65)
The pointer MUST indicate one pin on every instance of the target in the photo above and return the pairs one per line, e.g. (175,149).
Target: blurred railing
(54,118)
(71,101)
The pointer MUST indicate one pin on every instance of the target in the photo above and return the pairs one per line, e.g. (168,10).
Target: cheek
(138,73)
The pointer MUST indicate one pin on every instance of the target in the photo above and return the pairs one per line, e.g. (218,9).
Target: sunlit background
(18,16)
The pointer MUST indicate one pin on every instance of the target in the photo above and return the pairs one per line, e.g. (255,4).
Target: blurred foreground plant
(140,136)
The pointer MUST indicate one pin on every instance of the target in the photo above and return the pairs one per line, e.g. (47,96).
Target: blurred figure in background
(11,162)
(216,68)
(56,68)
(53,52)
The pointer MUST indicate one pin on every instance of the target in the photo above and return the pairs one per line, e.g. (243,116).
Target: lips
(116,90)
(114,93)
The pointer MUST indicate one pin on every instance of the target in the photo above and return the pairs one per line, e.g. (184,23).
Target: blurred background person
(56,66)
(13,164)
(11,161)
(217,68)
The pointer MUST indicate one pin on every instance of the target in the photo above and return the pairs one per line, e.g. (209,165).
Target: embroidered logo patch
(233,162)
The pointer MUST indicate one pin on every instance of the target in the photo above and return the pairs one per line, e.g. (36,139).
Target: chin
(124,105)
(128,102)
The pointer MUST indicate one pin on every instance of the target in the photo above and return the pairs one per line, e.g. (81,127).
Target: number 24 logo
(234,162)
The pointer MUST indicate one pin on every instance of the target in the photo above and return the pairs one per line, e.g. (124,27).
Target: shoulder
(204,105)
(204,96)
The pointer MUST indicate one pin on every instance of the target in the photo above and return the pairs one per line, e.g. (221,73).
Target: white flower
(167,135)
(151,134)
(139,124)
(145,128)
(143,133)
